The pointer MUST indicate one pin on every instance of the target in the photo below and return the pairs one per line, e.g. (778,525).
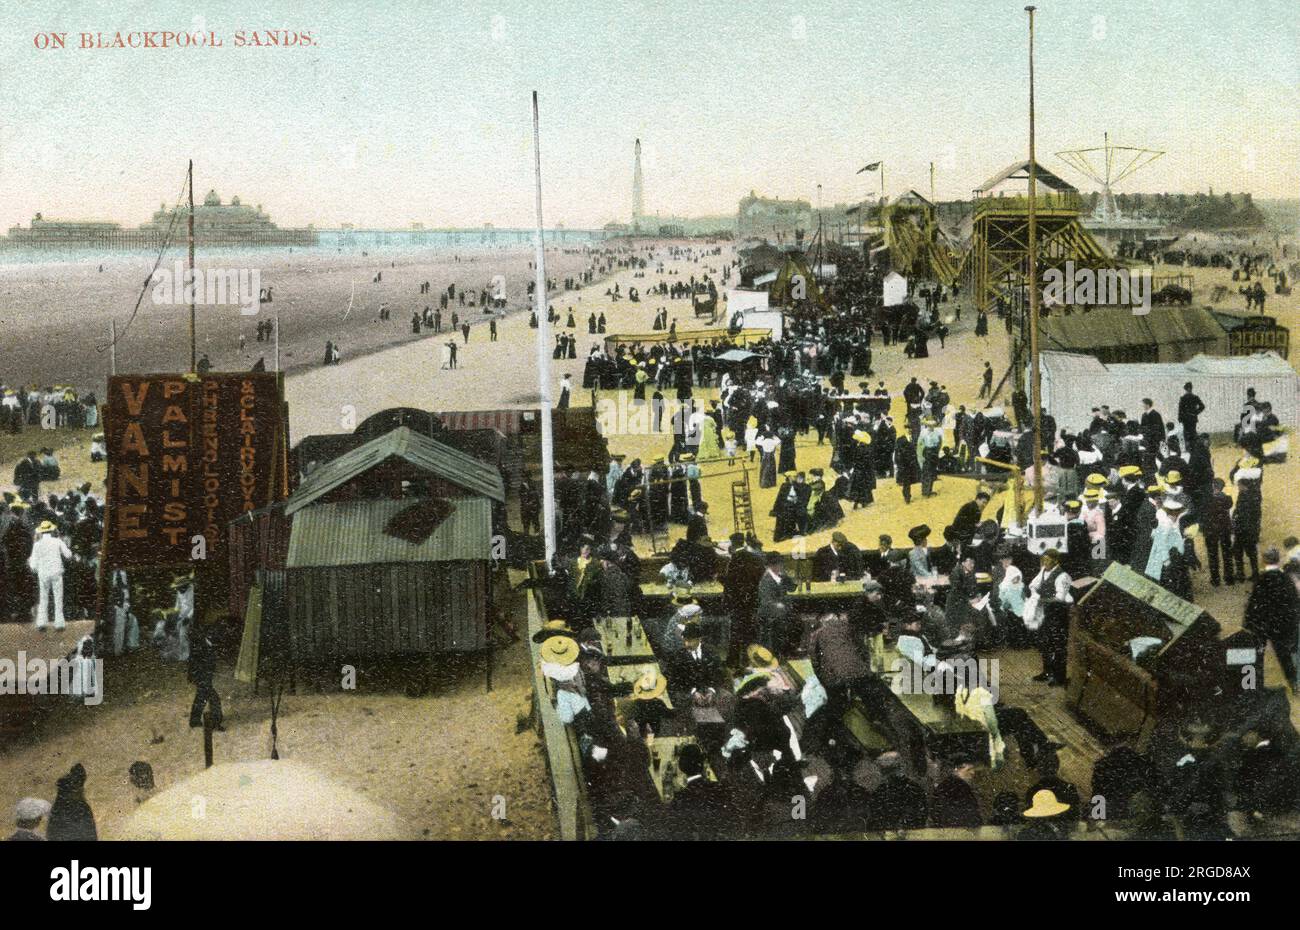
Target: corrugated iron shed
(352,533)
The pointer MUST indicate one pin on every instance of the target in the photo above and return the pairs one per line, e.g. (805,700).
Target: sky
(401,112)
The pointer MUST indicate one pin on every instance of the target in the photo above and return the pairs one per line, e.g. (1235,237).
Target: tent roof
(421,451)
(1021,170)
(736,355)
(1259,365)
(911,196)
(352,533)
(1120,326)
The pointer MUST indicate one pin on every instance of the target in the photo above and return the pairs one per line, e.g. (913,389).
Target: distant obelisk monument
(638,190)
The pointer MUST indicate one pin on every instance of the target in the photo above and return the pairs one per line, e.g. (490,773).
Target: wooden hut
(386,550)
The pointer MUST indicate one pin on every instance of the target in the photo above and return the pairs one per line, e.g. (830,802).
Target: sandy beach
(437,778)
(56,315)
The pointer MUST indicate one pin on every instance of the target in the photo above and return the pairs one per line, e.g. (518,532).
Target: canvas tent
(1073,384)
(894,289)
(1117,334)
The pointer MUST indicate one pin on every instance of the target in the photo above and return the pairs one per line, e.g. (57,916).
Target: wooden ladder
(742,505)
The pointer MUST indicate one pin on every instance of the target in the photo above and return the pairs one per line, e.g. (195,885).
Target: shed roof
(1021,169)
(447,463)
(352,533)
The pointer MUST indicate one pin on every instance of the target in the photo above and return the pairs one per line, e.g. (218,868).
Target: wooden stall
(1139,656)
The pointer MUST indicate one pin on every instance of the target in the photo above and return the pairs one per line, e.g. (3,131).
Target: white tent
(758,315)
(1074,384)
(895,289)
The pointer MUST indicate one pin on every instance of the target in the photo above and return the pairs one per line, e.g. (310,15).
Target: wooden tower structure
(998,263)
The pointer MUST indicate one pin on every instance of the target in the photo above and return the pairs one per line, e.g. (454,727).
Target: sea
(332,242)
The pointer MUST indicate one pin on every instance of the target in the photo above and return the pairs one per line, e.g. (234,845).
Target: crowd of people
(759,680)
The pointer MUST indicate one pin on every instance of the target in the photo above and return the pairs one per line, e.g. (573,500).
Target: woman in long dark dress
(862,484)
(786,461)
(767,445)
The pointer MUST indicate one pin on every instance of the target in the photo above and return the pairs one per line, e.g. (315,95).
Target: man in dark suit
(619,594)
(740,592)
(1120,536)
(1273,612)
(1190,407)
(968,517)
(774,608)
(954,803)
(876,562)
(791,507)
(1216,527)
(838,558)
(1153,427)
(696,669)
(27,476)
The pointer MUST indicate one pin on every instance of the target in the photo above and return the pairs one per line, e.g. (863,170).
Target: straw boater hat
(1092,494)
(760,657)
(1173,505)
(30,809)
(551,628)
(649,686)
(1046,805)
(559,650)
(1130,471)
(862,436)
(46,527)
(1096,480)
(1073,505)
(790,474)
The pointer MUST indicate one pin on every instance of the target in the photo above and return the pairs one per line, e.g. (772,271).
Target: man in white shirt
(46,561)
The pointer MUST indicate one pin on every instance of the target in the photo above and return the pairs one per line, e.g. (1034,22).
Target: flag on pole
(871,167)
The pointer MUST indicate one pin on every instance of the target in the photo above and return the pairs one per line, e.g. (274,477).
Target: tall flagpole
(1035,385)
(194,356)
(542,307)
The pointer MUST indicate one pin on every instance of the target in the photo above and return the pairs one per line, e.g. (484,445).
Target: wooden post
(1035,383)
(207,739)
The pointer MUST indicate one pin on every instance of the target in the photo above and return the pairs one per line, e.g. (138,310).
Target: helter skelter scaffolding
(998,264)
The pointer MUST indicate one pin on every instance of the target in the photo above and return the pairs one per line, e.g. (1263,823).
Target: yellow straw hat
(1046,805)
(559,650)
(760,657)
(47,527)
(649,686)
